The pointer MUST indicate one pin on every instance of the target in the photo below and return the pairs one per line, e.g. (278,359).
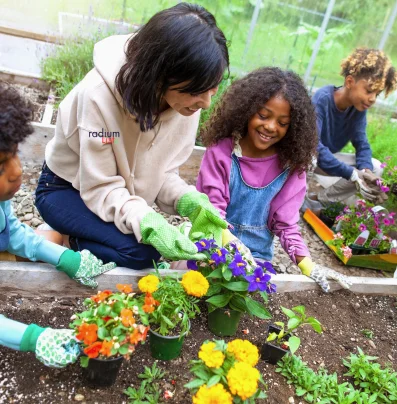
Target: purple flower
(386,222)
(358,214)
(267,266)
(383,165)
(362,227)
(219,256)
(191,264)
(205,245)
(258,281)
(238,265)
(384,188)
(271,288)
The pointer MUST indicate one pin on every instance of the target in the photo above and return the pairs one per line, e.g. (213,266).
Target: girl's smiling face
(267,127)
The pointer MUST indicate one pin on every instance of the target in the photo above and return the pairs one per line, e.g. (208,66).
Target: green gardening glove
(167,239)
(54,348)
(83,266)
(204,216)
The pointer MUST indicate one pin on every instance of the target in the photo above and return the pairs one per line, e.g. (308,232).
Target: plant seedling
(297,318)
(367,333)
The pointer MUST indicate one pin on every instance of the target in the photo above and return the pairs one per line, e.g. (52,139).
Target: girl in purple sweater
(261,140)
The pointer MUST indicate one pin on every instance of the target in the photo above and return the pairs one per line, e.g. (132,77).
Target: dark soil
(54,117)
(343,315)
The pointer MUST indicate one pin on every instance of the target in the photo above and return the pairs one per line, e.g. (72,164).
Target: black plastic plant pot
(360,250)
(102,373)
(273,353)
(393,189)
(326,220)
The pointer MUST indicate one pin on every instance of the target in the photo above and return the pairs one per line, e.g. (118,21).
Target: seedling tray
(383,262)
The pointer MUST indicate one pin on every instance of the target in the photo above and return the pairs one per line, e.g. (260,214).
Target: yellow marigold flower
(244,351)
(211,357)
(242,380)
(216,394)
(195,284)
(148,283)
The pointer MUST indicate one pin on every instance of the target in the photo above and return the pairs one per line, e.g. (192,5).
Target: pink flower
(383,188)
(347,252)
(338,236)
(379,231)
(358,214)
(361,202)
(392,214)
(388,157)
(395,168)
(386,222)
(383,165)
(362,227)
(340,217)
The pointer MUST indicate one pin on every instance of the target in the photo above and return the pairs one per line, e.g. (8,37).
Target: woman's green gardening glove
(55,348)
(321,274)
(204,216)
(167,239)
(83,266)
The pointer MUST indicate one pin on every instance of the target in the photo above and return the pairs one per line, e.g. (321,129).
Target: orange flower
(127,317)
(124,288)
(135,337)
(106,349)
(150,303)
(87,333)
(144,332)
(99,297)
(92,351)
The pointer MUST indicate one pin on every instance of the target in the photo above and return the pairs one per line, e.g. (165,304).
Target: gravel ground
(26,211)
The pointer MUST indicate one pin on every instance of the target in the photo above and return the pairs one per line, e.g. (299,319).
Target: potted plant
(225,373)
(361,219)
(281,338)
(233,279)
(389,182)
(170,304)
(109,330)
(330,212)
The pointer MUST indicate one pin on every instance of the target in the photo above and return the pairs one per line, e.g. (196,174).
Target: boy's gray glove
(368,193)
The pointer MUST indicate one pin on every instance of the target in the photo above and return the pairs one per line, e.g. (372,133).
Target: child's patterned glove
(54,348)
(83,267)
(167,239)
(204,216)
(321,274)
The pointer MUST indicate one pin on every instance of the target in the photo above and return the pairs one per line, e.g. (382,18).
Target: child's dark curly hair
(246,96)
(372,65)
(15,118)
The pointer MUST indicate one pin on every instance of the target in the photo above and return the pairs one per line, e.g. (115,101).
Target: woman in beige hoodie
(123,132)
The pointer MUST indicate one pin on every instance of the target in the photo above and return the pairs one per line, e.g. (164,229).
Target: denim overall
(5,236)
(248,211)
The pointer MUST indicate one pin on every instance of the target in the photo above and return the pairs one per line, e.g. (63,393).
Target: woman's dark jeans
(62,208)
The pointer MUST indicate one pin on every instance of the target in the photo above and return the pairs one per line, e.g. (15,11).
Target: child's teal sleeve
(24,242)
(2,220)
(11,333)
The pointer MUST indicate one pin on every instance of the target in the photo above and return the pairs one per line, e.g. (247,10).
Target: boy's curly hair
(246,96)
(16,114)
(372,65)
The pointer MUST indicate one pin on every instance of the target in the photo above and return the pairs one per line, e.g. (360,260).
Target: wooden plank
(23,78)
(33,148)
(33,279)
(31,35)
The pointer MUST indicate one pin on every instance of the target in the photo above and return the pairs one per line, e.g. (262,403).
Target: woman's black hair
(16,114)
(179,44)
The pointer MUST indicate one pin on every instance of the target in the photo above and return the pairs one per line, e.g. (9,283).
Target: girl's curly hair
(372,65)
(246,96)
(16,114)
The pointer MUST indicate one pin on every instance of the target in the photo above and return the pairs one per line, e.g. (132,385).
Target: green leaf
(240,286)
(214,380)
(194,384)
(117,307)
(103,310)
(300,309)
(293,323)
(214,289)
(293,344)
(227,274)
(84,361)
(217,273)
(271,337)
(315,324)
(237,302)
(219,300)
(264,296)
(123,350)
(257,309)
(289,313)
(103,333)
(167,321)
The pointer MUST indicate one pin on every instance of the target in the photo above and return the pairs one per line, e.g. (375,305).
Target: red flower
(101,296)
(87,333)
(92,351)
